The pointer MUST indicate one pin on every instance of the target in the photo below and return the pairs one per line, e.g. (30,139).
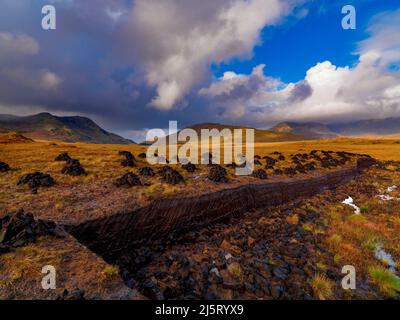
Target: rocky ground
(281,253)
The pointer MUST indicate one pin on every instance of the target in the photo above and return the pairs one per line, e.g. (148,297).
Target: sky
(133,65)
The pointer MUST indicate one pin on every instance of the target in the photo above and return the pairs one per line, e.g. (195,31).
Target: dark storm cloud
(116,61)
(301,91)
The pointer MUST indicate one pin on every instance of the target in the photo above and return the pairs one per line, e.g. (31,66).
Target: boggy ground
(95,194)
(296,251)
(291,252)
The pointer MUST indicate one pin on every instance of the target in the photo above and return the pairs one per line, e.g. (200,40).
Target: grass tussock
(387,282)
(322,287)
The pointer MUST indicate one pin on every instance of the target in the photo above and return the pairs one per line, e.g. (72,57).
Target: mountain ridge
(45,126)
(317,130)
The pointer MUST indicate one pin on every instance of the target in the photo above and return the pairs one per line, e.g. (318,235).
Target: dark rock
(73,168)
(218,174)
(128,180)
(147,172)
(328,162)
(126,154)
(19,229)
(276,291)
(151,290)
(127,163)
(260,174)
(63,157)
(300,168)
(37,179)
(289,171)
(365,163)
(270,161)
(129,160)
(170,175)
(190,167)
(4,167)
(74,295)
(309,167)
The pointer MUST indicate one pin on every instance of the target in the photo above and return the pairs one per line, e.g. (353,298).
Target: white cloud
(176,41)
(12,45)
(328,93)
(384,38)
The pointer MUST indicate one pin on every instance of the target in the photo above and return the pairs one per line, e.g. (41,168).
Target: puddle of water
(385,257)
(350,202)
(391,189)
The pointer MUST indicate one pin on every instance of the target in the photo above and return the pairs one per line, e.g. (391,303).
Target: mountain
(310,130)
(380,127)
(45,126)
(259,134)
(314,130)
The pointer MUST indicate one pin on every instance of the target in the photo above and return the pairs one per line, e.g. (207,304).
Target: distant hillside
(389,126)
(314,130)
(259,134)
(45,126)
(311,130)
(13,137)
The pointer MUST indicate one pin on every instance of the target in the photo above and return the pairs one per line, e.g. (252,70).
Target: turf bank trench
(164,219)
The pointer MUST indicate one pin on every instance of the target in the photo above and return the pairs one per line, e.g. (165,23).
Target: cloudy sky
(135,64)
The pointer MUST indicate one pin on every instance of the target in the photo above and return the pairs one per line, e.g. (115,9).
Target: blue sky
(288,50)
(135,64)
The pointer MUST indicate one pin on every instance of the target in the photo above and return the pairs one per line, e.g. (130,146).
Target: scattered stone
(218,174)
(309,167)
(4,167)
(328,162)
(63,157)
(260,174)
(300,168)
(126,154)
(128,180)
(73,168)
(270,161)
(289,171)
(129,160)
(36,180)
(170,175)
(20,228)
(146,172)
(127,163)
(190,167)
